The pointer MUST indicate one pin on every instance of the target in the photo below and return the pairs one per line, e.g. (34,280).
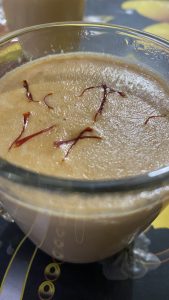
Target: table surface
(26,273)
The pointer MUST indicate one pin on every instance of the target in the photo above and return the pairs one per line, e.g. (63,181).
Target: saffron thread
(29,95)
(25,124)
(75,140)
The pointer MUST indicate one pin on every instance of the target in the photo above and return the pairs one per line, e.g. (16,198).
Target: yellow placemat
(156,10)
(163,220)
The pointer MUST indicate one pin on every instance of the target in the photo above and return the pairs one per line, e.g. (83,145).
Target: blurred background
(149,15)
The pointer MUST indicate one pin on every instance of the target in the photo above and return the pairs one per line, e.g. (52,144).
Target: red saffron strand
(104,99)
(45,101)
(28,93)
(106,91)
(75,140)
(59,143)
(122,94)
(20,142)
(110,90)
(90,88)
(153,117)
(25,123)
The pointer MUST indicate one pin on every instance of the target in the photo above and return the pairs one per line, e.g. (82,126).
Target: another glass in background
(24,13)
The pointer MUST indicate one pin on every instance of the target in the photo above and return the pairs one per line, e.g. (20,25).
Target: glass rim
(29,178)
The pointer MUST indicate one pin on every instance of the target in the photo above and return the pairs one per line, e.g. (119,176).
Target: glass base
(133,262)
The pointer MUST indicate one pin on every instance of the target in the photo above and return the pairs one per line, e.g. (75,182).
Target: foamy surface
(127,146)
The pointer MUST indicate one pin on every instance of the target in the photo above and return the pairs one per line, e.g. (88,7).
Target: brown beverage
(90,117)
(21,13)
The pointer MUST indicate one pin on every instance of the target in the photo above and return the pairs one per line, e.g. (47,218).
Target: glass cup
(23,13)
(75,220)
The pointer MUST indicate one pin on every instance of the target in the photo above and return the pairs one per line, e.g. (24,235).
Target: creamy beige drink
(21,13)
(90,117)
(108,100)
